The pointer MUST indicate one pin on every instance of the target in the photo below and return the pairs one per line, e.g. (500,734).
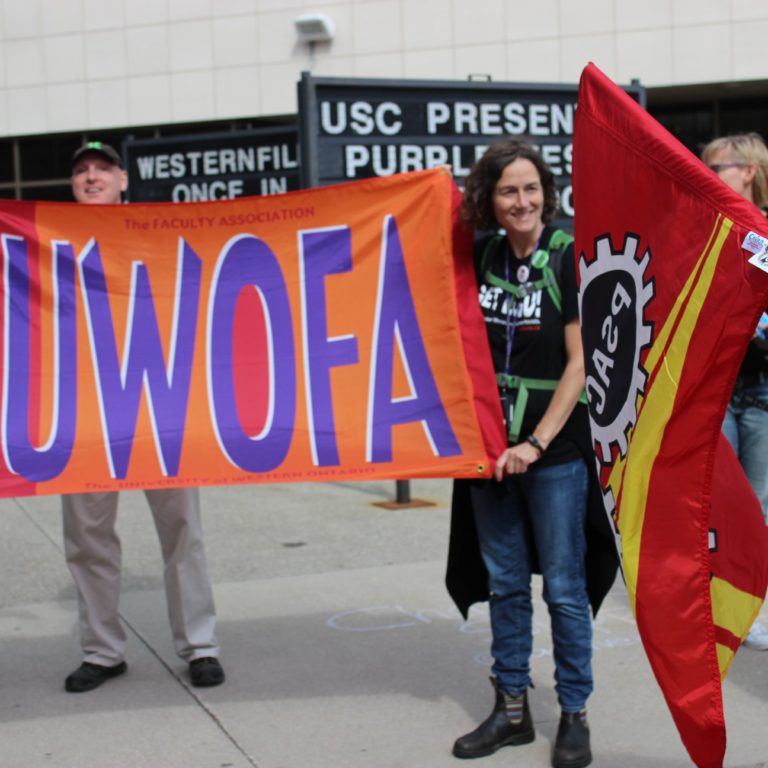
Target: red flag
(672,283)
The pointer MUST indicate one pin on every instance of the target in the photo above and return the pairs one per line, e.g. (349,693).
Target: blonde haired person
(741,161)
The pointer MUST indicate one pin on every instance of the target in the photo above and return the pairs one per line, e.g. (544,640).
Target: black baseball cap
(100,149)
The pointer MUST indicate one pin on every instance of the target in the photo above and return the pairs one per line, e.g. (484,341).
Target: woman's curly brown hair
(477,205)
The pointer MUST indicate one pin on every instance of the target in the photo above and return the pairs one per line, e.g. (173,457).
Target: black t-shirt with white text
(530,327)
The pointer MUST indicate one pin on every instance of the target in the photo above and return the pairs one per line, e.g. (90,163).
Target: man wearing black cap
(91,543)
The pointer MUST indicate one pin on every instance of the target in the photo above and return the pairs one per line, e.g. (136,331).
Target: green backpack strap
(517,291)
(524,385)
(558,241)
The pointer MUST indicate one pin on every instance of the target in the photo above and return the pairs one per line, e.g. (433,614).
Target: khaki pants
(94,557)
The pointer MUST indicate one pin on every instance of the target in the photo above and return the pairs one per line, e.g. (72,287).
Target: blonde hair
(750,149)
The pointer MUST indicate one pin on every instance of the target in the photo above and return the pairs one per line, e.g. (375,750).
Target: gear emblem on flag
(613,295)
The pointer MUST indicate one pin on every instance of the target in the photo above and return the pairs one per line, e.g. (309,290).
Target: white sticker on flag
(760,259)
(754,243)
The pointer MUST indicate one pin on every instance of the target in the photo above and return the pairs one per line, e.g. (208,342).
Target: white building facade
(77,69)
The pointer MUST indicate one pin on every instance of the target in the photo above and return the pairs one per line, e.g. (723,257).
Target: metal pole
(402,491)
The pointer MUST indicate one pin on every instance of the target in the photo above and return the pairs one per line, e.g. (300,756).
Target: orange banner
(328,334)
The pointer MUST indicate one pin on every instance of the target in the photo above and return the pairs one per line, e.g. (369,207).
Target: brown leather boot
(496,730)
(571,748)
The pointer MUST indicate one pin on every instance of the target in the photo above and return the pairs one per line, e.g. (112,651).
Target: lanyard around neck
(512,300)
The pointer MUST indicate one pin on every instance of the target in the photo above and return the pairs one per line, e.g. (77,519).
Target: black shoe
(496,730)
(206,672)
(89,676)
(572,742)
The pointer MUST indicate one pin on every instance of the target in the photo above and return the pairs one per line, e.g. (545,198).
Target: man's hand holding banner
(321,335)
(669,301)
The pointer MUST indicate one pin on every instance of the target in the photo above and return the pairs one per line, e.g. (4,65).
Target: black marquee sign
(214,166)
(358,128)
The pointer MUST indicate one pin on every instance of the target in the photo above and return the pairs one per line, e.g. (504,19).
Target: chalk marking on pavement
(389,618)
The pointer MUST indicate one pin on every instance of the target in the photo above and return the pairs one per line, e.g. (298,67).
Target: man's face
(96,180)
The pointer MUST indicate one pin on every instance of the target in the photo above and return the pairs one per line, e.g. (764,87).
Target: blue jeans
(746,427)
(539,515)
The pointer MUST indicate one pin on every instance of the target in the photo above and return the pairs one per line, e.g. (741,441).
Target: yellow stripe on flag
(733,610)
(616,477)
(656,352)
(659,402)
(724,658)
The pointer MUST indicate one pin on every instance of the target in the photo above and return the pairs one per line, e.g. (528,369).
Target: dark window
(692,125)
(47,157)
(744,116)
(697,114)
(6,161)
(61,193)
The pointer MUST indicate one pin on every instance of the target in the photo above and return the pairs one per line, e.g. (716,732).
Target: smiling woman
(517,205)
(535,508)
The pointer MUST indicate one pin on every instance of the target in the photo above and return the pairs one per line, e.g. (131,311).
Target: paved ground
(341,646)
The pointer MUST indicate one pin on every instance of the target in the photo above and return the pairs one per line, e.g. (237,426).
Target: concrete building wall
(70,65)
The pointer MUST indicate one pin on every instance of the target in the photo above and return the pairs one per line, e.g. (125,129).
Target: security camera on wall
(314,28)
